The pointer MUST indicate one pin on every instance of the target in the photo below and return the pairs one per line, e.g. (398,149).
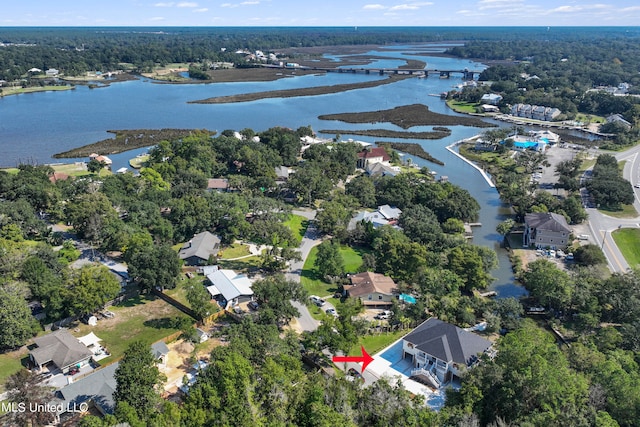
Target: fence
(175,303)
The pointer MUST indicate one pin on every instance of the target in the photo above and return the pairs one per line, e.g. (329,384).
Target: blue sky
(320,13)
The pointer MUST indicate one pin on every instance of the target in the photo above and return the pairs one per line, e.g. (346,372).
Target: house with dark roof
(373,289)
(198,250)
(440,351)
(96,388)
(545,229)
(60,349)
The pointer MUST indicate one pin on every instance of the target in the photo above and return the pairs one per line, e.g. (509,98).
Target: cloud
(157,18)
(170,4)
(249,3)
(187,4)
(373,7)
(405,6)
(201,10)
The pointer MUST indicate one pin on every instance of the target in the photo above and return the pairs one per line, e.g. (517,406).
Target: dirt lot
(181,358)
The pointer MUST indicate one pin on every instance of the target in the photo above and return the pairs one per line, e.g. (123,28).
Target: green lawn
(298,225)
(179,293)
(314,284)
(375,343)
(236,250)
(241,265)
(140,318)
(627,211)
(462,107)
(10,363)
(628,241)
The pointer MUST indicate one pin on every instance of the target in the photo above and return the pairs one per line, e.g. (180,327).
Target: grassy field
(314,284)
(375,343)
(180,291)
(241,265)
(589,118)
(236,250)
(627,211)
(18,90)
(628,241)
(10,363)
(462,107)
(298,225)
(141,318)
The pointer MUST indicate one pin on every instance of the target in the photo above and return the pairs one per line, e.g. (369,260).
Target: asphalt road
(311,238)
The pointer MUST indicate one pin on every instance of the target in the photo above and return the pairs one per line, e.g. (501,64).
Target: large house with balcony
(441,352)
(545,229)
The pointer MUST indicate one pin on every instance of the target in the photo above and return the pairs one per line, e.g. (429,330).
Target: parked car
(384,315)
(569,256)
(583,237)
(332,312)
(317,300)
(253,305)
(354,375)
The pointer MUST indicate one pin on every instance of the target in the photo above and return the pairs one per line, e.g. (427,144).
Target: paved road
(602,225)
(311,238)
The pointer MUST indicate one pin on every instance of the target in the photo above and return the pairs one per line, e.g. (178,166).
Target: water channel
(33,127)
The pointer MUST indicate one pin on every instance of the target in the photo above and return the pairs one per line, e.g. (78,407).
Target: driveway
(311,238)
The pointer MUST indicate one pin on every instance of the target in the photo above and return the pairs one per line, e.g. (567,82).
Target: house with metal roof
(61,349)
(234,288)
(545,229)
(441,351)
(200,248)
(385,215)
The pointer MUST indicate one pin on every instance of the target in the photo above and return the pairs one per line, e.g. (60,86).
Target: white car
(332,312)
(317,300)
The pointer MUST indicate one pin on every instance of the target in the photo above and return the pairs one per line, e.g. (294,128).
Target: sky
(320,13)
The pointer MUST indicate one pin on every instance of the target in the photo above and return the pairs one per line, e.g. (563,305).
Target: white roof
(89,339)
(230,284)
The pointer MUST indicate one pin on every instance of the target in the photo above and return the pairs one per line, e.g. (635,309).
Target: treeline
(562,73)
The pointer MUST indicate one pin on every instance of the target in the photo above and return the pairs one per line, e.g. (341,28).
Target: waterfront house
(491,98)
(52,72)
(371,155)
(441,352)
(198,250)
(545,229)
(372,289)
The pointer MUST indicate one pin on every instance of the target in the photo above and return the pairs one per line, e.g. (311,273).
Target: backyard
(141,318)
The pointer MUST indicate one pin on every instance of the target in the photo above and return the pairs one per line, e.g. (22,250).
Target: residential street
(310,239)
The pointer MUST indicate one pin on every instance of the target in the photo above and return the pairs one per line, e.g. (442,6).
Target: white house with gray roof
(198,250)
(60,349)
(385,215)
(545,229)
(441,351)
(233,287)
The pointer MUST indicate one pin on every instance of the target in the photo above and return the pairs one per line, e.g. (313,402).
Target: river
(35,126)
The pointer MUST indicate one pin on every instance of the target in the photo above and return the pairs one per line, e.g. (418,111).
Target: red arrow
(365,359)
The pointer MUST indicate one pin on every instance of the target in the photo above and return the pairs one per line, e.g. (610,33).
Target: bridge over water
(421,72)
